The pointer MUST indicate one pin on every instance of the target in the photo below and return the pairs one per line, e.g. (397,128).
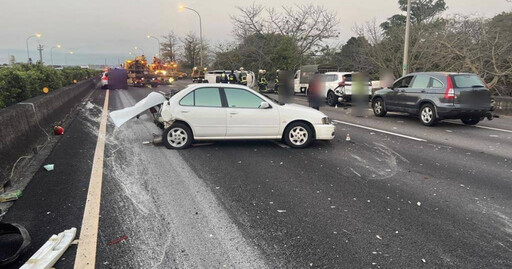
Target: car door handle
(423,91)
(185,111)
(402,90)
(233,113)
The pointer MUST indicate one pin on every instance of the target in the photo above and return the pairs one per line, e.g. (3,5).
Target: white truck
(302,76)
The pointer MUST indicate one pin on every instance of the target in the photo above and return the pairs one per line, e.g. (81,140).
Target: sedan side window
(187,100)
(209,97)
(238,98)
(403,83)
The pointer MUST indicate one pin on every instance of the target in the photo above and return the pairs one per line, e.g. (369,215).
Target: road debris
(9,252)
(378,236)
(118,240)
(281,211)
(10,196)
(58,130)
(418,203)
(49,167)
(51,251)
(146,142)
(348,137)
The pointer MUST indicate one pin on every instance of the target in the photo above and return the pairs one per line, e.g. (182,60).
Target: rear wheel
(177,136)
(469,121)
(331,99)
(298,135)
(378,107)
(428,115)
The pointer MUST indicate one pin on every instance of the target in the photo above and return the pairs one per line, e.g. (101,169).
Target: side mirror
(264,105)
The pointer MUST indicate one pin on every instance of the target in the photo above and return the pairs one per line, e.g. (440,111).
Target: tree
(170,47)
(422,11)
(306,26)
(192,51)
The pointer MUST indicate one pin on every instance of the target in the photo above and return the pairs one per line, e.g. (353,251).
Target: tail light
(449,94)
(104,78)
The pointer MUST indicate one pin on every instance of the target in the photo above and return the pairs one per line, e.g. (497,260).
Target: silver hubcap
(426,114)
(377,107)
(298,135)
(177,137)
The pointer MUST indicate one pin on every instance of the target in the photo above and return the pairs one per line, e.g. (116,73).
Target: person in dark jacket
(232,78)
(314,89)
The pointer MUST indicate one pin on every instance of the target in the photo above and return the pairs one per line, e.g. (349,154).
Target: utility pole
(40,48)
(406,45)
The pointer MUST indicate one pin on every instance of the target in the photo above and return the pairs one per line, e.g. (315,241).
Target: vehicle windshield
(467,81)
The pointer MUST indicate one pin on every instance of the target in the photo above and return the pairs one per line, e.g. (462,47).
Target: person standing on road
(262,82)
(232,78)
(243,77)
(276,82)
(314,87)
(285,87)
(358,89)
(223,77)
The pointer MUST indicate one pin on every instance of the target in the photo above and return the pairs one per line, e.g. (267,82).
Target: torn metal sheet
(121,116)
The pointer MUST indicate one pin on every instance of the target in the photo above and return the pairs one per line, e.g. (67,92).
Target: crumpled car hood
(119,117)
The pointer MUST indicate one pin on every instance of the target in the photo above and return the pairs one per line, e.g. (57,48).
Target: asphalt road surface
(397,195)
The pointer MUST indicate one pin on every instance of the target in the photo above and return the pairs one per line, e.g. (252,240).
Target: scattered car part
(49,167)
(119,117)
(51,251)
(10,196)
(8,229)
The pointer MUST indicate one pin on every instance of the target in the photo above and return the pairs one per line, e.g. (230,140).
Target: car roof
(438,73)
(217,85)
(338,73)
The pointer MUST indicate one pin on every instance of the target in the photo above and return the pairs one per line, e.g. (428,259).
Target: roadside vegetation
(23,81)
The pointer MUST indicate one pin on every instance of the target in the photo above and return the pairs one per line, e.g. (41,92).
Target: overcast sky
(99,29)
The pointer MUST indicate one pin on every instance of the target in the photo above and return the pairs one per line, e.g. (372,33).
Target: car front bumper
(325,131)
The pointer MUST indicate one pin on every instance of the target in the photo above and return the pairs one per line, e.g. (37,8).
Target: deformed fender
(119,117)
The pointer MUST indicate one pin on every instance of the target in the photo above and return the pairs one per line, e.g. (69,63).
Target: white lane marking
(86,253)
(492,128)
(483,127)
(359,175)
(381,131)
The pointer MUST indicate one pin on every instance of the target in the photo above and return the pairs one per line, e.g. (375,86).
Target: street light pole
(66,57)
(51,52)
(200,31)
(159,44)
(406,44)
(28,52)
(137,48)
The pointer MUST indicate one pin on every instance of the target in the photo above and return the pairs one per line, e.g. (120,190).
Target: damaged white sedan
(229,112)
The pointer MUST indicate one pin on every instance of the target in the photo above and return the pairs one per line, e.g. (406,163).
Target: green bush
(23,81)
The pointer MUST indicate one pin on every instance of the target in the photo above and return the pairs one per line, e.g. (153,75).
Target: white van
(338,84)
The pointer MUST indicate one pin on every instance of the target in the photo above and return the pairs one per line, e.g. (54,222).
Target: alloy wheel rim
(426,114)
(377,107)
(298,135)
(177,137)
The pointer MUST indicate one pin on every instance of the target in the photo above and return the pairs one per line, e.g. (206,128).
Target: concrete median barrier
(25,125)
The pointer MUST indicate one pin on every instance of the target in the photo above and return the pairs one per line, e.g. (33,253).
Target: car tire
(470,121)
(331,98)
(177,136)
(378,107)
(428,115)
(298,135)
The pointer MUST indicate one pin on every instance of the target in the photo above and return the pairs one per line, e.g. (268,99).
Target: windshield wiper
(477,86)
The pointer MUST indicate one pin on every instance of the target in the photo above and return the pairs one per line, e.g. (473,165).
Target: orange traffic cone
(348,137)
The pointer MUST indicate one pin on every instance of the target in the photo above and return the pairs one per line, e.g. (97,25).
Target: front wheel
(428,115)
(331,99)
(469,121)
(177,136)
(298,135)
(378,107)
